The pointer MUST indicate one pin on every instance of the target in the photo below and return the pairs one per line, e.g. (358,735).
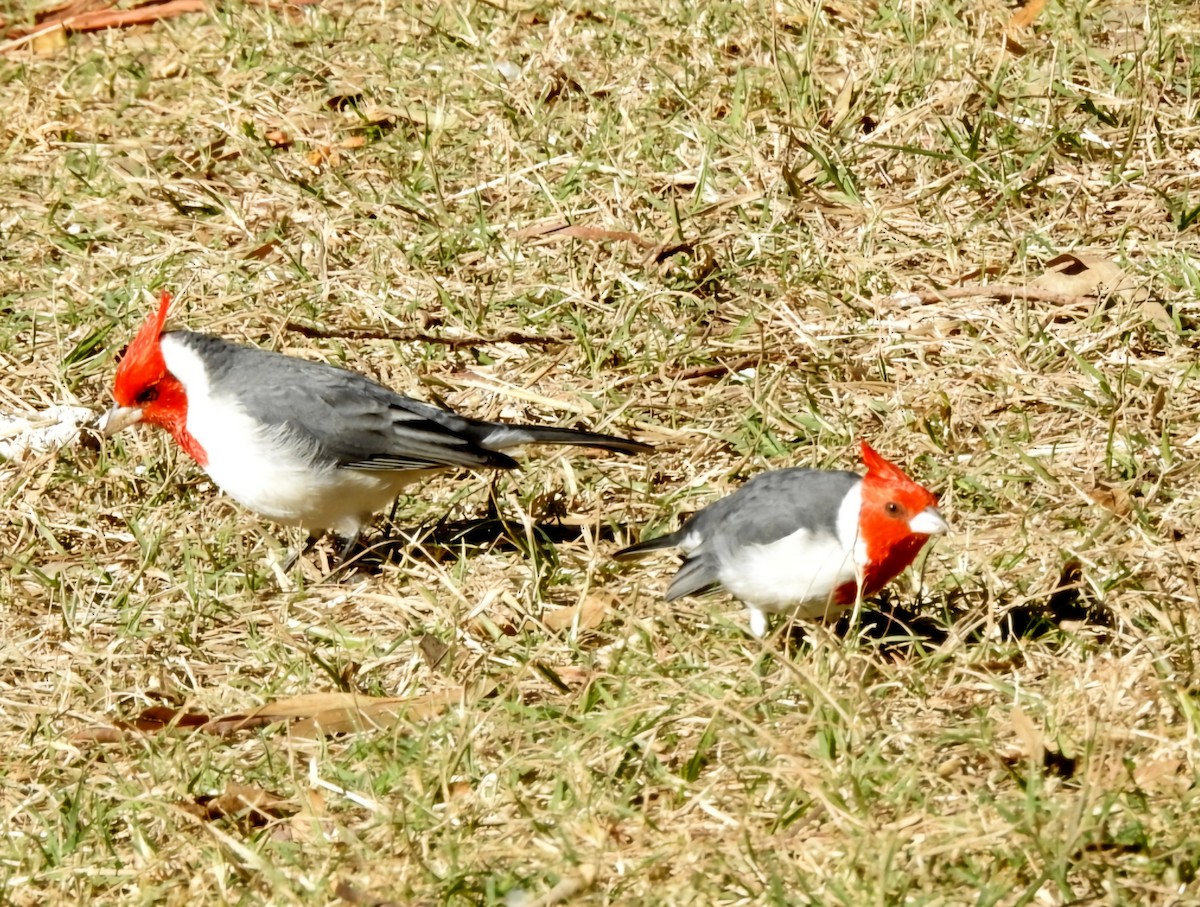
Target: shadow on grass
(447,540)
(898,629)
(902,630)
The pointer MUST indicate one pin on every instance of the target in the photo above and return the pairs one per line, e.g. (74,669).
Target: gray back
(353,420)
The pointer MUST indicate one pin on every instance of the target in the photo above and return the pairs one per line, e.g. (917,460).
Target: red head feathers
(894,510)
(142,366)
(145,391)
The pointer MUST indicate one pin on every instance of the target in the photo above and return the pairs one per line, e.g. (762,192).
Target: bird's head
(898,516)
(143,388)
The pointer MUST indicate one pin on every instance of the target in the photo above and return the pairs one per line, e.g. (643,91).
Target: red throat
(142,381)
(890,500)
(169,411)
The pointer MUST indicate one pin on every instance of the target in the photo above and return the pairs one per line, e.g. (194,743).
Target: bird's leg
(759,624)
(350,544)
(343,563)
(391,520)
(300,552)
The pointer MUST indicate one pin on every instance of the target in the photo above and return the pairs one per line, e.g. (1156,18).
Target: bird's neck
(170,411)
(188,442)
(175,422)
(888,560)
(186,378)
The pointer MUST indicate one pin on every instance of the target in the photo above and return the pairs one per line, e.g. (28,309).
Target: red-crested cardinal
(809,541)
(303,443)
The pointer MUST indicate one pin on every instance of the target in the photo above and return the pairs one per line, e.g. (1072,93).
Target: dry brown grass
(792,176)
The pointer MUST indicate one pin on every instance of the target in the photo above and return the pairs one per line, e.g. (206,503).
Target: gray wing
(769,507)
(348,418)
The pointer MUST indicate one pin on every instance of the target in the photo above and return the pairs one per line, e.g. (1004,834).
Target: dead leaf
(1157,314)
(346,99)
(308,819)
(664,251)
(1047,759)
(951,767)
(1029,735)
(258,253)
(47,43)
(1112,499)
(56,12)
(841,105)
(456,789)
(385,119)
(434,651)
(54,23)
(1088,275)
(277,138)
(354,714)
(324,714)
(1151,774)
(1159,401)
(243,802)
(102,733)
(1024,16)
(323,154)
(551,230)
(587,615)
(314,714)
(154,720)
(716,370)
(1013,46)
(98,20)
(162,718)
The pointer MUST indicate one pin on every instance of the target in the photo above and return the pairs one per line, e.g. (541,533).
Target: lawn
(750,234)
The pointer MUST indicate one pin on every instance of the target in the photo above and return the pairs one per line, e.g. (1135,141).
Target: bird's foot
(348,546)
(760,625)
(295,556)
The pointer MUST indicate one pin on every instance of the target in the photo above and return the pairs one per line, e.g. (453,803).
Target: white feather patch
(801,571)
(270,471)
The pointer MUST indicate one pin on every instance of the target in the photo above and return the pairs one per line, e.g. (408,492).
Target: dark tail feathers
(500,437)
(695,576)
(670,540)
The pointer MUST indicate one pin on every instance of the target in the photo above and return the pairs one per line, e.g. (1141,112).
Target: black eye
(892,508)
(149,395)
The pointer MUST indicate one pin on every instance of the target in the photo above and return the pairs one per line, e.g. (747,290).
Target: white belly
(269,469)
(263,470)
(796,572)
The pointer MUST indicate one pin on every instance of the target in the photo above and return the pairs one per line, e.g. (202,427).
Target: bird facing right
(808,541)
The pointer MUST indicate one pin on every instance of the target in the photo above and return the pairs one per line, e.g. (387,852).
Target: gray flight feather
(359,423)
(769,507)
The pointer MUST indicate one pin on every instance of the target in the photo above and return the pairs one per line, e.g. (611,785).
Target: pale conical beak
(120,417)
(928,522)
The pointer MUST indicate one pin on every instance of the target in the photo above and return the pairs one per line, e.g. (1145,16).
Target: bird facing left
(303,443)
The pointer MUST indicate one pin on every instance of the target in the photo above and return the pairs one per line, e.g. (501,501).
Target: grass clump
(748,235)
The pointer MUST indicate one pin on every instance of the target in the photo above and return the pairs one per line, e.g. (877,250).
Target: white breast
(800,571)
(267,468)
